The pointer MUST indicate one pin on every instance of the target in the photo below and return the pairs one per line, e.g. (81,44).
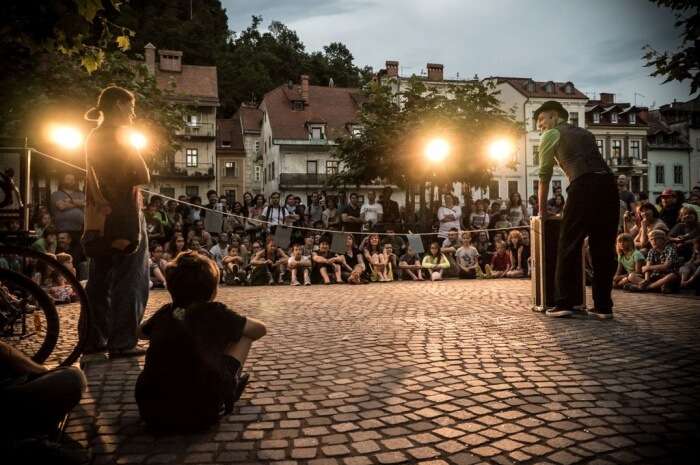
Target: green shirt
(629,262)
(548,144)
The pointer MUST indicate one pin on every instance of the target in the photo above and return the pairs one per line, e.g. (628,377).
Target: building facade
(685,118)
(231,159)
(192,169)
(669,156)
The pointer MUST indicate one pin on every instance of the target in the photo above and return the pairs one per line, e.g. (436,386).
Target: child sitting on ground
(233,266)
(629,262)
(197,349)
(500,262)
(298,261)
(468,258)
(435,262)
(410,267)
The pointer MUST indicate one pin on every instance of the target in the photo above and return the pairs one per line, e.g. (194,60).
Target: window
(493,189)
(192,191)
(573,119)
(601,146)
(192,120)
(311,167)
(257,173)
(230,195)
(549,88)
(633,118)
(316,133)
(191,158)
(331,167)
(613,118)
(257,147)
(536,155)
(616,148)
(596,117)
(298,105)
(634,149)
(226,143)
(272,171)
(568,89)
(512,187)
(230,169)
(168,191)
(660,175)
(678,174)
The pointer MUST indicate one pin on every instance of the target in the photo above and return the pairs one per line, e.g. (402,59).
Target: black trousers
(592,209)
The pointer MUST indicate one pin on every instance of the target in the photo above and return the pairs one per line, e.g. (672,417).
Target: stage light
(437,149)
(66,136)
(137,140)
(500,150)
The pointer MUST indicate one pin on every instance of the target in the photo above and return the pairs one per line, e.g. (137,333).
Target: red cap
(668,193)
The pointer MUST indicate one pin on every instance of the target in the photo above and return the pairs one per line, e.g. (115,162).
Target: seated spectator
(467,258)
(309,246)
(501,221)
(326,264)
(519,254)
(220,249)
(374,257)
(47,243)
(483,246)
(629,262)
(234,266)
(67,261)
(44,222)
(236,219)
(532,206)
(198,347)
(691,269)
(34,400)
(661,269)
(198,232)
(500,262)
(194,211)
(685,231)
(410,267)
(64,244)
(479,219)
(555,205)
(516,211)
(670,207)
(449,248)
(391,260)
(176,245)
(390,237)
(297,261)
(649,221)
(58,288)
(154,223)
(353,265)
(435,262)
(156,267)
(269,263)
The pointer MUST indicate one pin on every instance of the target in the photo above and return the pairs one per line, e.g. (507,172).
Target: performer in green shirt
(592,210)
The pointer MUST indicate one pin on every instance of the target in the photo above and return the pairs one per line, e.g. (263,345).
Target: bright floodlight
(137,140)
(500,150)
(437,149)
(67,137)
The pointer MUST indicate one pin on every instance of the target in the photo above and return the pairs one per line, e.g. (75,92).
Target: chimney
(643,114)
(305,87)
(392,68)
(607,98)
(170,60)
(434,72)
(149,52)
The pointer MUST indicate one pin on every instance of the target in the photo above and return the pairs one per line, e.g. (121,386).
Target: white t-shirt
(218,253)
(467,256)
(372,211)
(276,215)
(447,225)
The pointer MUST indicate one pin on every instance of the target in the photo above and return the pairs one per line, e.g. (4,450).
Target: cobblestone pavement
(458,372)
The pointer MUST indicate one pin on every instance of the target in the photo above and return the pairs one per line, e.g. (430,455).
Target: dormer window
(568,88)
(355,130)
(596,117)
(549,87)
(298,105)
(316,132)
(530,86)
(613,118)
(633,118)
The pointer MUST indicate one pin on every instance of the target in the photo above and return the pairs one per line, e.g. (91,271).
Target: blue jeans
(117,290)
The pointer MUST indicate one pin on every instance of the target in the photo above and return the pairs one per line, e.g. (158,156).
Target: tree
(684,63)
(396,129)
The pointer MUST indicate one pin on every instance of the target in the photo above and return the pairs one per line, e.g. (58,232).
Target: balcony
(205,130)
(303,180)
(178,170)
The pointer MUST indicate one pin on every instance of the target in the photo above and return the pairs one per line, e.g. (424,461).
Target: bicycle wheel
(29,318)
(73,312)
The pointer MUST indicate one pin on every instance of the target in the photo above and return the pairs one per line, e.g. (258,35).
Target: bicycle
(32,320)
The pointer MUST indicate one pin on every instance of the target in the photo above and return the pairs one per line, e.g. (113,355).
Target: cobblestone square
(456,372)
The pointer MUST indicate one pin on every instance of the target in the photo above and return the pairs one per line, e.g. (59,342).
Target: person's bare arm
(254,329)
(258,259)
(17,361)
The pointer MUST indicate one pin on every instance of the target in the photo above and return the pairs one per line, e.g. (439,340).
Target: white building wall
(249,143)
(668,159)
(694,141)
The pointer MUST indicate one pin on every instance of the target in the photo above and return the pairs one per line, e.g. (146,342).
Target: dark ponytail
(107,102)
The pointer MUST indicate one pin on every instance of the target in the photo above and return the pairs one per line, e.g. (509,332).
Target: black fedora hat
(552,105)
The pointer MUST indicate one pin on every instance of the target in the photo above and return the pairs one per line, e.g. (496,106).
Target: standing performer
(592,209)
(115,229)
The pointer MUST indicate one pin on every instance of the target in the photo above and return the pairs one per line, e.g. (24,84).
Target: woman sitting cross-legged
(518,254)
(435,262)
(193,370)
(374,256)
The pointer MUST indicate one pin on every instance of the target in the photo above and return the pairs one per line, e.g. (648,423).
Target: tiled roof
(333,106)
(192,83)
(229,130)
(251,118)
(538,89)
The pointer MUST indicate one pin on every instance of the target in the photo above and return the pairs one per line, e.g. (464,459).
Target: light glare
(437,149)
(66,136)
(500,150)
(137,140)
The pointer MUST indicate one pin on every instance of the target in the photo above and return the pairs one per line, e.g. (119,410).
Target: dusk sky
(596,44)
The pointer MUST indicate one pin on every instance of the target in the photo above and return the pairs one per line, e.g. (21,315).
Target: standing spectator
(351,216)
(331,215)
(372,211)
(291,214)
(173,217)
(532,206)
(254,224)
(435,262)
(555,205)
(118,281)
(479,219)
(670,207)
(390,208)
(625,195)
(449,216)
(315,210)
(68,206)
(237,218)
(468,258)
(517,212)
(154,223)
(194,212)
(273,213)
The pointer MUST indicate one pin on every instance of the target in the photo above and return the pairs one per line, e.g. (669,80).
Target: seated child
(629,262)
(500,262)
(197,349)
(410,267)
(268,262)
(467,258)
(391,261)
(661,269)
(233,265)
(298,261)
(518,255)
(325,264)
(435,262)
(449,248)
(691,269)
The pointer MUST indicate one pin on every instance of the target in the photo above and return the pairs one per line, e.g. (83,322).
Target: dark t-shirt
(628,198)
(352,211)
(352,260)
(410,260)
(184,371)
(390,211)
